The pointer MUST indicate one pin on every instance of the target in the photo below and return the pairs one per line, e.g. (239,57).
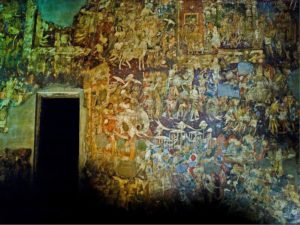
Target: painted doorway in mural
(57,145)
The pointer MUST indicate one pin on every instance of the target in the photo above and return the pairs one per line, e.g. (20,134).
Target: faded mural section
(184,99)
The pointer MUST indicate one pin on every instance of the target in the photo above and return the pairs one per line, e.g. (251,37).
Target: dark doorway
(57,148)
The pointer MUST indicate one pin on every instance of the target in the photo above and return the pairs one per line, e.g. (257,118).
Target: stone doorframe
(82,124)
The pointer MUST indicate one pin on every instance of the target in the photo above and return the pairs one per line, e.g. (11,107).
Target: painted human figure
(211,85)
(272,112)
(209,139)
(215,40)
(196,80)
(126,119)
(109,125)
(268,40)
(188,76)
(265,149)
(293,118)
(194,114)
(174,91)
(158,105)
(283,118)
(148,105)
(171,105)
(289,102)
(172,73)
(182,110)
(278,46)
(216,68)
(126,105)
(202,87)
(278,162)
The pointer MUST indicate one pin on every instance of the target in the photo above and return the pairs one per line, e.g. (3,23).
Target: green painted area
(60,12)
(141,145)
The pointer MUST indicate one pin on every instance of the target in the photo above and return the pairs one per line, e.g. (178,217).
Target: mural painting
(192,100)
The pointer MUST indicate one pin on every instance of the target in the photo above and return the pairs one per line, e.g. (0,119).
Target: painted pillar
(255,23)
(29,27)
(254,13)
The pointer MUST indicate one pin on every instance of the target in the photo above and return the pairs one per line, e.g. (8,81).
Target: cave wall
(180,97)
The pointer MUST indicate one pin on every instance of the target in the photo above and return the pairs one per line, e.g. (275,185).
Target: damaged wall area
(21,128)
(60,13)
(186,100)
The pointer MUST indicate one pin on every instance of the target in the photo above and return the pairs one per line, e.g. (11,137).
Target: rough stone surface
(21,122)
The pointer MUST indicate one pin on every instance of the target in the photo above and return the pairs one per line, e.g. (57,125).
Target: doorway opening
(57,147)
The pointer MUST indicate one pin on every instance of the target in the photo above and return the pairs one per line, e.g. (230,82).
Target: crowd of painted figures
(193,139)
(220,120)
(226,129)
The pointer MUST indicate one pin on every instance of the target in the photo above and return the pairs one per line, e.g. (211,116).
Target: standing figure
(215,40)
(216,68)
(158,105)
(268,39)
(171,105)
(283,119)
(268,45)
(272,112)
(194,114)
(172,73)
(278,162)
(109,125)
(182,110)
(278,47)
